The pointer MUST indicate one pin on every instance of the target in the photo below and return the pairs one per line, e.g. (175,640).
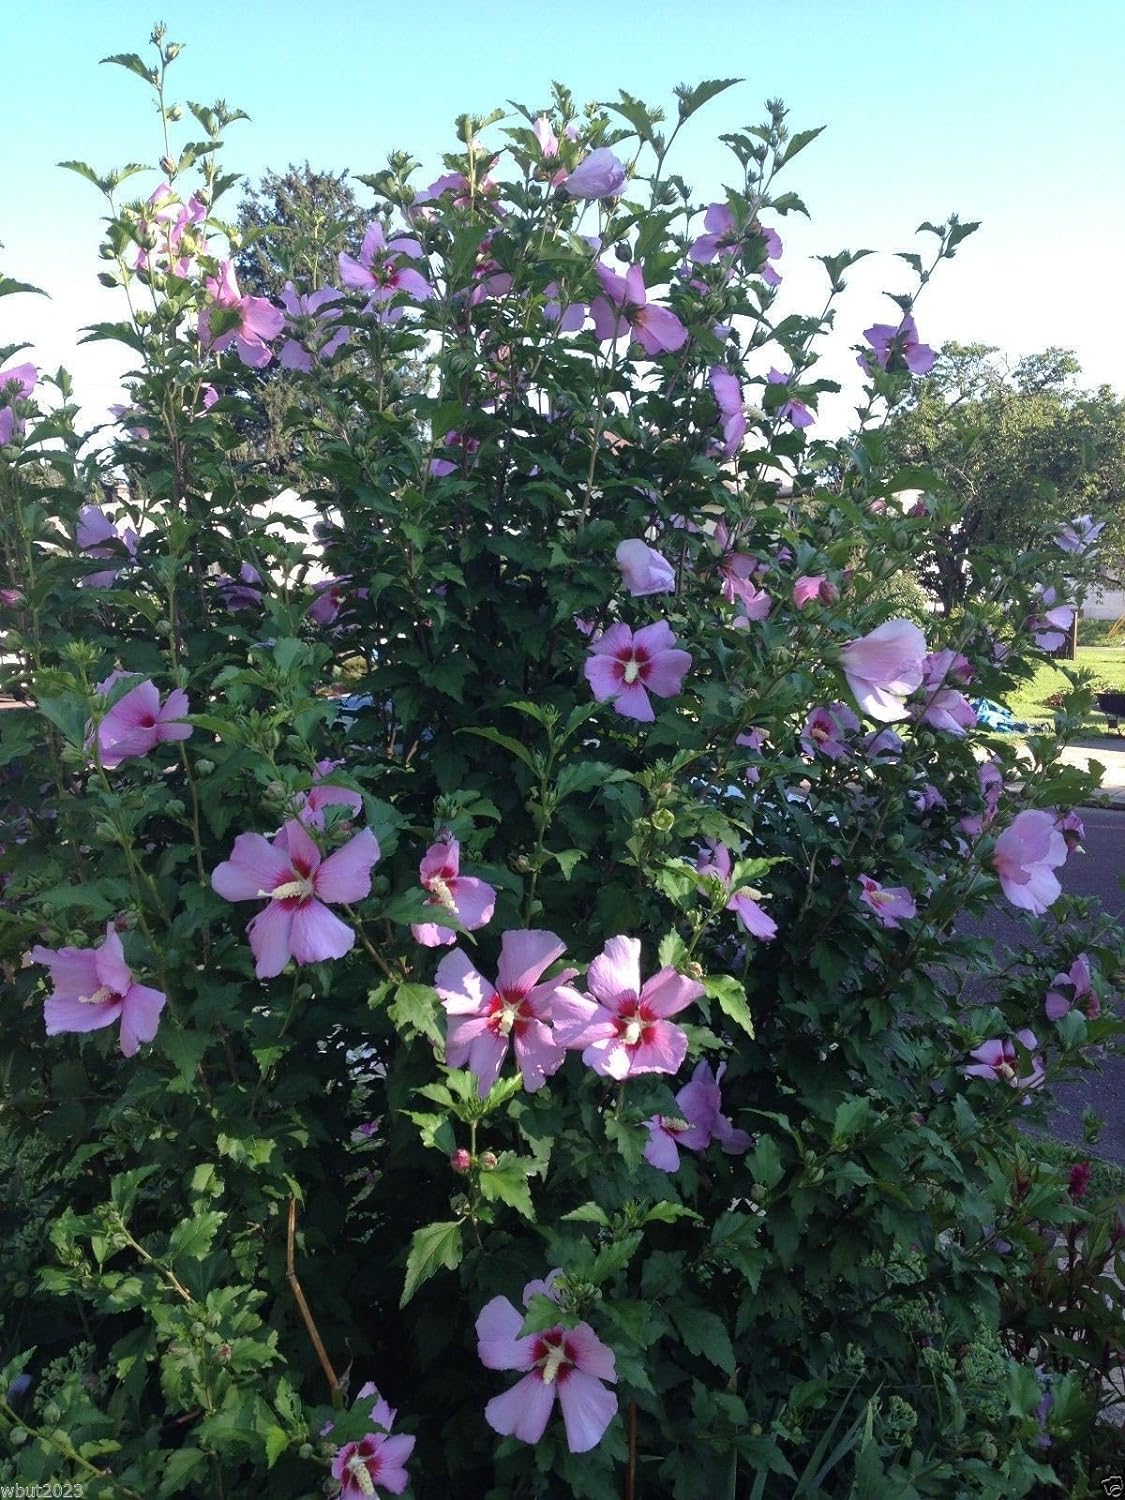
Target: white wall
(1104,604)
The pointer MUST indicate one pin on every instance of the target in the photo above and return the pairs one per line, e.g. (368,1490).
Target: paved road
(1096,873)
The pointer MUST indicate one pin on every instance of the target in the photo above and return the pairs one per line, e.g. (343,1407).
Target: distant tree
(294,224)
(1023,447)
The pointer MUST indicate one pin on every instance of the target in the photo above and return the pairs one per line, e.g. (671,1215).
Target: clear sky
(1008,111)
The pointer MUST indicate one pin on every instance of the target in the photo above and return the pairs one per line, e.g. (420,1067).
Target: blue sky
(1002,110)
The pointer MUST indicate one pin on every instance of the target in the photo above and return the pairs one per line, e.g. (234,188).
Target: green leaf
(512,746)
(731,996)
(668,1213)
(691,99)
(566,860)
(704,1333)
(83,169)
(414,1011)
(9,288)
(134,64)
(765,1162)
(277,1440)
(797,143)
(432,1247)
(585,775)
(192,1238)
(852,1116)
(507,1183)
(177,1469)
(587,1213)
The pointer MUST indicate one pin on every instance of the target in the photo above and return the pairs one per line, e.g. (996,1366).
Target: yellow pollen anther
(99,997)
(441,893)
(289,890)
(508,1018)
(634,1031)
(357,1468)
(556,1358)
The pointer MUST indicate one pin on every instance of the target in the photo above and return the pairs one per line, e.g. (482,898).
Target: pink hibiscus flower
(996,1060)
(891,904)
(644,570)
(297,881)
(571,1363)
(624,1026)
(485,1018)
(470,900)
(138,721)
(256,322)
(716,861)
(699,1122)
(93,987)
(1025,858)
(624,667)
(625,308)
(884,667)
(377,1459)
(379,271)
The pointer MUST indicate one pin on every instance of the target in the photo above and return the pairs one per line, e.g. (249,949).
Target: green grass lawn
(1107,663)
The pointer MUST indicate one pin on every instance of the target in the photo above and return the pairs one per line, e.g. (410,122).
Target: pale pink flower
(884,667)
(599,175)
(93,987)
(1080,535)
(892,904)
(827,729)
(624,1027)
(485,1018)
(948,710)
(379,271)
(97,536)
(793,411)
(294,877)
(624,667)
(546,137)
(699,1122)
(996,1060)
(896,348)
(471,901)
(715,860)
(991,781)
(1078,981)
(624,307)
(1073,830)
(732,412)
(1025,858)
(258,321)
(1051,625)
(644,570)
(376,1460)
(323,794)
(572,1362)
(808,588)
(138,721)
(751,603)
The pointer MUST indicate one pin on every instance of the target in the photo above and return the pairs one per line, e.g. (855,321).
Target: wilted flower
(93,987)
(16,384)
(1077,980)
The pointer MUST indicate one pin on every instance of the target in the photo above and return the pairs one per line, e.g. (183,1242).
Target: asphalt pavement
(1097,873)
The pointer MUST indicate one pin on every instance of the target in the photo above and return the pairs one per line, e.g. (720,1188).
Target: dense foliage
(596,687)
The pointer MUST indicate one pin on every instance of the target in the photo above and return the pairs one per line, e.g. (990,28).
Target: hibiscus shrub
(510,943)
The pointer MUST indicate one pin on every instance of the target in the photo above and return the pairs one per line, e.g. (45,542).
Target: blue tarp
(996,717)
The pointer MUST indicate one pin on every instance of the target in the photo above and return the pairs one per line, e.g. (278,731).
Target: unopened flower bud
(223,1353)
(663,820)
(204,767)
(460,1160)
(487,1160)
(693,970)
(18,1436)
(52,1412)
(306,1450)
(168,166)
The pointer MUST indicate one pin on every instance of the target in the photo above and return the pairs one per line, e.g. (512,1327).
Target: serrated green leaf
(432,1248)
(705,1334)
(731,997)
